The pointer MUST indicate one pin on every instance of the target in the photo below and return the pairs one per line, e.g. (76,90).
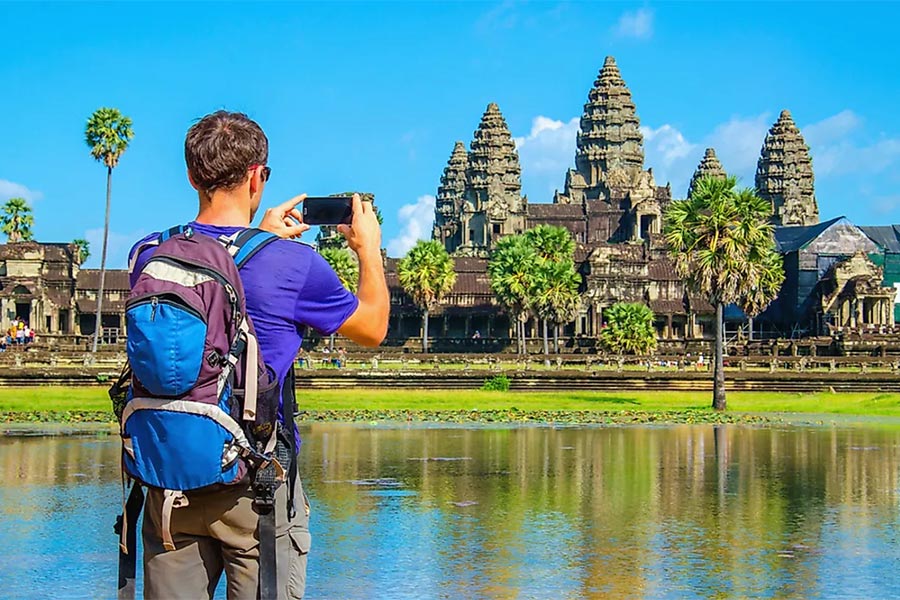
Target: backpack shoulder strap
(152,243)
(245,244)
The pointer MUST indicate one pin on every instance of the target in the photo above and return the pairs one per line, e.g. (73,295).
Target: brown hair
(221,147)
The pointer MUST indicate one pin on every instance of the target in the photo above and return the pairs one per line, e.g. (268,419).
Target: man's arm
(368,323)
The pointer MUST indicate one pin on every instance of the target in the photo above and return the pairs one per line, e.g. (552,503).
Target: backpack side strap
(152,243)
(247,243)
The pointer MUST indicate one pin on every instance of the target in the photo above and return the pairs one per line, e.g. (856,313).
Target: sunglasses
(264,173)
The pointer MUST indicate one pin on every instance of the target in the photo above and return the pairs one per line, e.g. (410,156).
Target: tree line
(720,238)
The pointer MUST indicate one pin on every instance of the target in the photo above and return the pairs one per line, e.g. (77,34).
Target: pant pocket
(300,543)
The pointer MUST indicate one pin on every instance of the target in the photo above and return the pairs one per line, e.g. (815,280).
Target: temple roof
(51,251)
(791,239)
(116,279)
(667,307)
(555,211)
(886,236)
(662,270)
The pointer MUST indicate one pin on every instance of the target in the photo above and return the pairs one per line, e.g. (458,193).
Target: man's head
(227,152)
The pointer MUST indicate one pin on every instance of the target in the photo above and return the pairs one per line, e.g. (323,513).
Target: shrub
(498,383)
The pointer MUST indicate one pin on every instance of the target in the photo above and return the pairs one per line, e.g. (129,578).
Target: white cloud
(117,248)
(846,157)
(674,158)
(11,189)
(549,147)
(416,221)
(636,24)
(668,142)
(833,128)
(738,143)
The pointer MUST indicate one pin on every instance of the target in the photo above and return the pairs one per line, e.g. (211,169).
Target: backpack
(197,405)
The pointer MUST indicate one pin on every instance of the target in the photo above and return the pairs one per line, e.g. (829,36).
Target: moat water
(533,512)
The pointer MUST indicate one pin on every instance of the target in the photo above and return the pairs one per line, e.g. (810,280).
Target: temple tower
(450,198)
(784,175)
(709,166)
(609,166)
(494,205)
(610,149)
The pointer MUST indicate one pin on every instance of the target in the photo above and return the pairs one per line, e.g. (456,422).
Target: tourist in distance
(288,287)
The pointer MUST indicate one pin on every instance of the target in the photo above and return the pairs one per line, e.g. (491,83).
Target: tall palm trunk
(425,331)
(719,375)
(750,323)
(546,344)
(98,323)
(520,333)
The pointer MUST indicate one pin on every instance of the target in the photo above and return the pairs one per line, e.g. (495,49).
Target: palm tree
(556,296)
(82,250)
(345,267)
(723,245)
(629,329)
(512,270)
(17,220)
(426,274)
(344,264)
(556,284)
(551,243)
(107,134)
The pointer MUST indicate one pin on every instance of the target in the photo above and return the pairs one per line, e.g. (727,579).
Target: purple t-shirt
(288,286)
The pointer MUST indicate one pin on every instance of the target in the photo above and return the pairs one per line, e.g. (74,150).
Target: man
(288,287)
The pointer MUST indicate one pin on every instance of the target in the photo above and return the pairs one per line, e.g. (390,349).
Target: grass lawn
(94,399)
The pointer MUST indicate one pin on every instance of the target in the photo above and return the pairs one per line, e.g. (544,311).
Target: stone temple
(613,207)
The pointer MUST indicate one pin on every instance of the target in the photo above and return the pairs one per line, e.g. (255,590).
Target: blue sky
(372,96)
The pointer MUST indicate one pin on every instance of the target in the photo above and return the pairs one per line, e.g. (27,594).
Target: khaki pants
(216,532)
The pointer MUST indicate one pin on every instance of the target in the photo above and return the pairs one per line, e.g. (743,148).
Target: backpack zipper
(229,289)
(169,299)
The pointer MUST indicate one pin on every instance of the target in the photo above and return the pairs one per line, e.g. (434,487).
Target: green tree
(426,274)
(82,250)
(345,267)
(556,297)
(628,329)
(344,264)
(512,271)
(551,243)
(17,220)
(555,292)
(723,245)
(107,134)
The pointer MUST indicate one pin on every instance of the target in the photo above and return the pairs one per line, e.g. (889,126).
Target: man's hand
(364,233)
(285,220)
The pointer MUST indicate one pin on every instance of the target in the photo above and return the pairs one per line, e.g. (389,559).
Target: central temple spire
(610,149)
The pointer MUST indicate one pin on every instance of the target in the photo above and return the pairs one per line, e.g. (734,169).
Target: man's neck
(224,209)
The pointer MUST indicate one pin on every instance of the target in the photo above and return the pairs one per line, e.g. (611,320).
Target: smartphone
(328,210)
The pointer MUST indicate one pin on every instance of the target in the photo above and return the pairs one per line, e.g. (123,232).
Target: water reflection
(530,512)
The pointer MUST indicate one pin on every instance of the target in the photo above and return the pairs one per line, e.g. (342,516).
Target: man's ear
(191,179)
(255,181)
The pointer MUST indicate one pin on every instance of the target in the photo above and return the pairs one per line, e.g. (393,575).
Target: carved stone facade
(784,175)
(709,167)
(613,208)
(622,201)
(853,295)
(43,285)
(474,211)
(450,199)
